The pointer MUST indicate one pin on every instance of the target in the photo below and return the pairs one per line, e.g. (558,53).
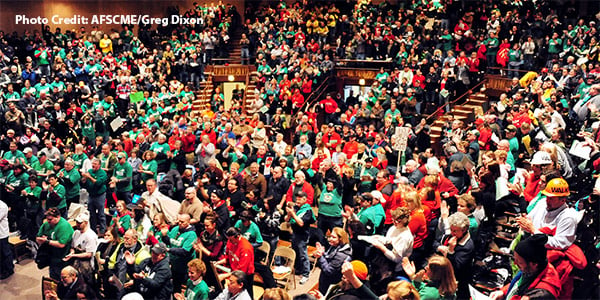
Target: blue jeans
(96,208)
(300,245)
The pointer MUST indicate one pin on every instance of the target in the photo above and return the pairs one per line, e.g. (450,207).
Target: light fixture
(231,78)
(361,81)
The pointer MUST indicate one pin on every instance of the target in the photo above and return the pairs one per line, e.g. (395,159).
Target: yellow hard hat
(557,187)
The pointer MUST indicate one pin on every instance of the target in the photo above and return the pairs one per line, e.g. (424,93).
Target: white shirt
(86,242)
(402,245)
(563,220)
(4,231)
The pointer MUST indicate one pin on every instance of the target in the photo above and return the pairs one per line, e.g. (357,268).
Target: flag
(136,97)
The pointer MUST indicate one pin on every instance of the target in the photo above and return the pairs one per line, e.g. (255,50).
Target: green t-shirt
(62,233)
(30,161)
(149,166)
(42,56)
(330,203)
(196,292)
(61,192)
(34,197)
(492,45)
(46,89)
(78,160)
(99,187)
(372,214)
(183,240)
(160,148)
(251,233)
(12,157)
(123,173)
(554,46)
(17,182)
(124,221)
(71,182)
(43,168)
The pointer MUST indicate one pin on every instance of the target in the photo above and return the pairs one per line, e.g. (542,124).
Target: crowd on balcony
(124,191)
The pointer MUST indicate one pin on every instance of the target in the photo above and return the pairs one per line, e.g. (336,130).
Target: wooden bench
(19,248)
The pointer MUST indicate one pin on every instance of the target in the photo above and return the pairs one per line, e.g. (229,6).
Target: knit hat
(533,248)
(360,269)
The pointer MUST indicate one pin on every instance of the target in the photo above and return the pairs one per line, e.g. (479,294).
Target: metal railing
(314,96)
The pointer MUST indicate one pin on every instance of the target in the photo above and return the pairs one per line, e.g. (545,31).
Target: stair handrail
(205,90)
(316,94)
(245,92)
(312,98)
(451,103)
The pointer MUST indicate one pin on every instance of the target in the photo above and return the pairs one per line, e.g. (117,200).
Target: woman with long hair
(149,166)
(210,244)
(436,281)
(402,290)
(417,225)
(103,253)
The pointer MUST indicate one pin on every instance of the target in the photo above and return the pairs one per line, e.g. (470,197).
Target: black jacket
(157,285)
(331,266)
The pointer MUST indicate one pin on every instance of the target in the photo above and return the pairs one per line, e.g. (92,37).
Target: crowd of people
(125,192)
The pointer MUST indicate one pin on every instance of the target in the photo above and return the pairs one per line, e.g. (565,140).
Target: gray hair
(71,270)
(299,173)
(459,219)
(134,233)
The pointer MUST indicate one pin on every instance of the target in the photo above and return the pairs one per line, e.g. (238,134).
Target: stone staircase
(467,112)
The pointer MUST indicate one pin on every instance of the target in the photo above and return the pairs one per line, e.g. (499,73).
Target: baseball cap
(83,217)
(121,155)
(159,248)
(379,196)
(27,150)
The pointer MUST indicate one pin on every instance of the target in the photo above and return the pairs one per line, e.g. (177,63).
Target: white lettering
(23,19)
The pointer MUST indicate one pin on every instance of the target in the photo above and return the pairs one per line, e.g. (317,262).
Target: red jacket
(240,256)
(306,187)
(395,200)
(188,143)
(418,227)
(547,280)
(445,185)
(532,188)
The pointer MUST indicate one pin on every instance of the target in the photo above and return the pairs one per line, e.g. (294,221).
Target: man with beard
(537,279)
(152,277)
(118,264)
(83,246)
(70,285)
